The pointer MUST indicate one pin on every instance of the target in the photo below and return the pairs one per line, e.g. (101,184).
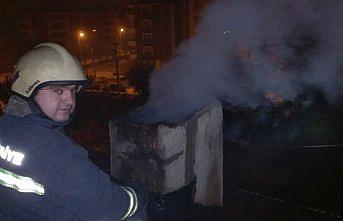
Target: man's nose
(68,96)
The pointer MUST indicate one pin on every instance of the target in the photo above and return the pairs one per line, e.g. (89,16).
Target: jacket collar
(29,110)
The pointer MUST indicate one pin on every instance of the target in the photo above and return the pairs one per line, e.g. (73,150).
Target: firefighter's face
(57,101)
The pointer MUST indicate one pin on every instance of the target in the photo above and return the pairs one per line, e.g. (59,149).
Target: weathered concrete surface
(165,158)
(208,165)
(152,155)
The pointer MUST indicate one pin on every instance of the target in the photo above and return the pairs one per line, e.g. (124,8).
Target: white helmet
(46,63)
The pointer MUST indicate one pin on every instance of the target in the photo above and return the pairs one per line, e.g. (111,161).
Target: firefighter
(45,175)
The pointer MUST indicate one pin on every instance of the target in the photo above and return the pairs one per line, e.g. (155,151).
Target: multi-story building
(63,25)
(156,28)
(59,28)
(26,27)
(84,32)
(152,30)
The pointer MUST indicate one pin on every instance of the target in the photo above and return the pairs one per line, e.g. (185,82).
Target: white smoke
(246,49)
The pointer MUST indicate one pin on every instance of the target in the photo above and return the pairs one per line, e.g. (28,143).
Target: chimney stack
(164,158)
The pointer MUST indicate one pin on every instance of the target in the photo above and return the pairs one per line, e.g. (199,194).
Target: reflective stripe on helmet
(133,205)
(20,183)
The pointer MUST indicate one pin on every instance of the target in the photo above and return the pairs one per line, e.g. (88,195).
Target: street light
(92,52)
(116,49)
(121,31)
(80,35)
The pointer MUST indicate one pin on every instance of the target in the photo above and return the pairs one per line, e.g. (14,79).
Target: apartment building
(150,33)
(156,28)
(63,25)
(84,32)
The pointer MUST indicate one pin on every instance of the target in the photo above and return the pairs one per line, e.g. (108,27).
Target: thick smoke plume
(248,51)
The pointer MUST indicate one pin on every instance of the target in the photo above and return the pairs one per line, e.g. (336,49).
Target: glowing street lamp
(92,52)
(121,31)
(117,45)
(80,35)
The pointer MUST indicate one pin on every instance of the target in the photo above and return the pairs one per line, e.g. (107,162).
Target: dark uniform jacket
(44,175)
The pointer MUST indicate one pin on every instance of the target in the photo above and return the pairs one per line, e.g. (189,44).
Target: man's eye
(75,90)
(58,91)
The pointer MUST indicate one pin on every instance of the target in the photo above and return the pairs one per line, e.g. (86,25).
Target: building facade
(62,25)
(149,32)
(156,28)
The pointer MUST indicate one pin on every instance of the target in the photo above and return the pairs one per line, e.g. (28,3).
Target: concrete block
(164,158)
